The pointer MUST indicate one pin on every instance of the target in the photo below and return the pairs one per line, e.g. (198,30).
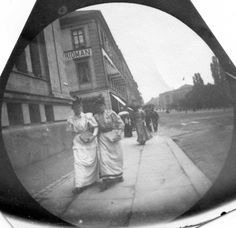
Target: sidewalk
(160,184)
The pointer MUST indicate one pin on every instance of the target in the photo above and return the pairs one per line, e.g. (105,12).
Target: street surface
(204,136)
(160,184)
(162,179)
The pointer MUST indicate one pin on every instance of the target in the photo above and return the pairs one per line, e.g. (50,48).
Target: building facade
(36,101)
(168,98)
(94,63)
(74,55)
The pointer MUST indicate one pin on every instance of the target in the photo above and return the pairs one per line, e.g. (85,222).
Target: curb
(42,193)
(198,179)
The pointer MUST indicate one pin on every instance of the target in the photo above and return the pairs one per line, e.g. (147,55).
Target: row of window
(33,59)
(78,41)
(15,113)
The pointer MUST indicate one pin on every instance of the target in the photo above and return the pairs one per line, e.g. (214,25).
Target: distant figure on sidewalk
(155,119)
(84,146)
(128,126)
(140,124)
(109,148)
(148,119)
(125,116)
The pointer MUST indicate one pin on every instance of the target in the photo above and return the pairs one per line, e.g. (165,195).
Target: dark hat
(99,100)
(76,101)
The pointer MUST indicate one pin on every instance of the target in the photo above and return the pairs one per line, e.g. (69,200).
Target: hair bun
(77,100)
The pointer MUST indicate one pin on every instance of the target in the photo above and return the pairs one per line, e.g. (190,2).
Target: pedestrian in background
(155,119)
(84,146)
(148,119)
(125,116)
(140,124)
(128,126)
(110,152)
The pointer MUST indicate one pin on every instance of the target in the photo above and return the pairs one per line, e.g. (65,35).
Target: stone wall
(30,144)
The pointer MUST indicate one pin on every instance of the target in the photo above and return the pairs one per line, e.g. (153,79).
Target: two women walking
(96,146)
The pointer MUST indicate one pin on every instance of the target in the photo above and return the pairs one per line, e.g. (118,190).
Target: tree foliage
(197,80)
(207,96)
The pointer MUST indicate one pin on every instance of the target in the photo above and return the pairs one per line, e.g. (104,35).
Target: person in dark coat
(125,116)
(138,118)
(155,119)
(128,126)
(148,119)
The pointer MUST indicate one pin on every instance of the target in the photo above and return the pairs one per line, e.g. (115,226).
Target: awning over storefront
(118,99)
(110,66)
(111,70)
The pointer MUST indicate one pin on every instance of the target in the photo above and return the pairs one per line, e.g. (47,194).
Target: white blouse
(82,123)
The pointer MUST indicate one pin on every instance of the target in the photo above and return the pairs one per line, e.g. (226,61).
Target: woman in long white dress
(84,147)
(110,152)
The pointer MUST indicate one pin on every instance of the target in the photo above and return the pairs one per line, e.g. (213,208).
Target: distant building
(154,101)
(94,63)
(170,97)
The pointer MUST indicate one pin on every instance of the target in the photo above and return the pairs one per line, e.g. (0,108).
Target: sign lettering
(77,54)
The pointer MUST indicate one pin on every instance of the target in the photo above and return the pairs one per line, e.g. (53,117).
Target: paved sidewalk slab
(163,190)
(59,197)
(113,206)
(43,173)
(157,188)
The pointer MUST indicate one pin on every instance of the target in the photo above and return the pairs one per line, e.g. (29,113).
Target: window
(20,63)
(15,113)
(78,38)
(49,113)
(83,72)
(39,57)
(34,113)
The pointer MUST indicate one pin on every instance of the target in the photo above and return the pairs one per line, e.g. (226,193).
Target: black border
(13,197)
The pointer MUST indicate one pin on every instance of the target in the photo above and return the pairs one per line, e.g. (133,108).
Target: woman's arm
(95,131)
(92,121)
(118,122)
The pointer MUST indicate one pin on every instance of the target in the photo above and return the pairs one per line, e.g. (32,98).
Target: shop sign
(77,54)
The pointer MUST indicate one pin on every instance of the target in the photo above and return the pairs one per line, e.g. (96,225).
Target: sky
(160,55)
(161,52)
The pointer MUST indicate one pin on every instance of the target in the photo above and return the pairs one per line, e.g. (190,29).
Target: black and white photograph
(117,114)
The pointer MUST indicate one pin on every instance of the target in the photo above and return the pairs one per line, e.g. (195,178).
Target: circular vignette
(174,8)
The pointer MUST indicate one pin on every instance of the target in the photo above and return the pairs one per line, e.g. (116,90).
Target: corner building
(37,101)
(74,55)
(94,63)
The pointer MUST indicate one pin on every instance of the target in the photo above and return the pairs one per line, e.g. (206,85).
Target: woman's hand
(117,138)
(91,139)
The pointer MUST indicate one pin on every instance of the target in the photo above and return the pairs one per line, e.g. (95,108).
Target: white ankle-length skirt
(85,162)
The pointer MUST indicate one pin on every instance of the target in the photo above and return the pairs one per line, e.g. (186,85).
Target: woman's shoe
(77,191)
(120,179)
(105,185)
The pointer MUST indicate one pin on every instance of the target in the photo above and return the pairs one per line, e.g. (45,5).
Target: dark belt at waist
(105,130)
